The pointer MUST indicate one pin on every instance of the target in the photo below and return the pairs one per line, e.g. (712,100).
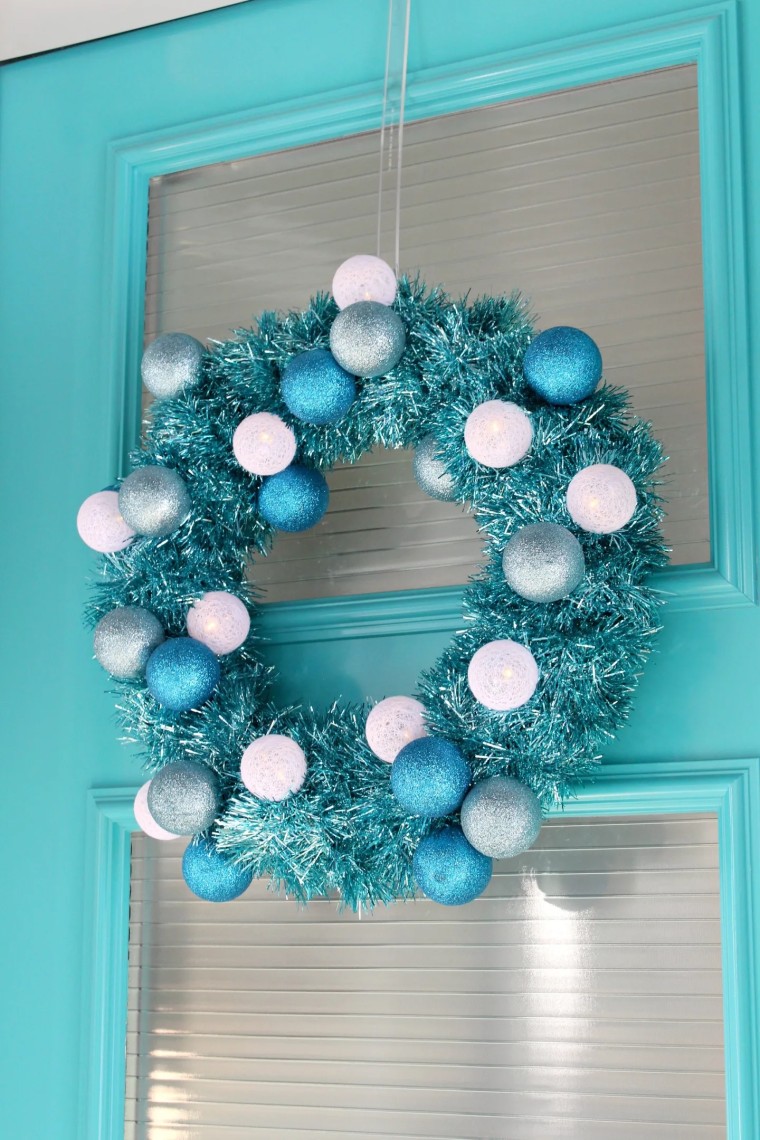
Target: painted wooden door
(81,132)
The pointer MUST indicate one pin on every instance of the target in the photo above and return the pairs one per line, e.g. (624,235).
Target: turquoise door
(81,133)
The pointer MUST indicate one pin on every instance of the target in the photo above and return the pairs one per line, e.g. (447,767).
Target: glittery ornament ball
(543,562)
(184,797)
(100,523)
(273,767)
(171,364)
(448,869)
(294,499)
(430,777)
(498,433)
(430,471)
(562,365)
(182,673)
(212,876)
(316,389)
(154,501)
(145,820)
(394,723)
(501,817)
(601,498)
(124,640)
(502,675)
(263,444)
(219,620)
(368,339)
(364,278)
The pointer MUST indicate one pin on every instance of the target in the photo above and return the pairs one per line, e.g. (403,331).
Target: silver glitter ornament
(501,817)
(184,797)
(367,339)
(430,471)
(171,364)
(153,501)
(543,562)
(124,640)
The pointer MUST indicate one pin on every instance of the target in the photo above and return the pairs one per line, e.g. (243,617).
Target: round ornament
(273,767)
(263,444)
(145,820)
(430,471)
(124,640)
(448,869)
(502,675)
(220,621)
(562,365)
(501,817)
(184,797)
(394,723)
(211,875)
(364,278)
(294,499)
(100,523)
(543,562)
(368,339)
(498,434)
(601,498)
(172,364)
(316,389)
(154,501)
(182,673)
(430,777)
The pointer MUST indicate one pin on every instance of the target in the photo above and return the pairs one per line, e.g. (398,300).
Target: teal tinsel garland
(344,831)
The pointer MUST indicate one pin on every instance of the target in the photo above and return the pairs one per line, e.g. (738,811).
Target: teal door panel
(68,123)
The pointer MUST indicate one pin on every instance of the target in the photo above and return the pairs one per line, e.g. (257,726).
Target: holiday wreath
(419,792)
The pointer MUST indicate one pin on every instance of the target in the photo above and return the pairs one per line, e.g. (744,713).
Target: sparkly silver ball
(501,817)
(124,640)
(430,471)
(154,501)
(543,562)
(367,339)
(184,797)
(171,364)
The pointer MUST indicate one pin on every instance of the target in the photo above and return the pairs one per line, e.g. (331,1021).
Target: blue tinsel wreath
(343,830)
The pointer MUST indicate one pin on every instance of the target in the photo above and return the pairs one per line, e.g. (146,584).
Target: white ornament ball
(502,675)
(273,767)
(498,433)
(394,723)
(100,523)
(264,444)
(601,498)
(145,820)
(364,278)
(220,620)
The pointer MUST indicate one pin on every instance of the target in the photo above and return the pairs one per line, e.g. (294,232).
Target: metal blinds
(579,999)
(586,200)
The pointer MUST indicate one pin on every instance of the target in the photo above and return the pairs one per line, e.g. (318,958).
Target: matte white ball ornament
(220,620)
(100,523)
(601,498)
(502,675)
(498,433)
(264,444)
(145,820)
(394,723)
(273,767)
(364,278)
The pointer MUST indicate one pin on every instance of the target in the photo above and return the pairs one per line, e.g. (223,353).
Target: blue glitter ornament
(449,870)
(430,776)
(210,875)
(316,389)
(294,499)
(182,673)
(562,365)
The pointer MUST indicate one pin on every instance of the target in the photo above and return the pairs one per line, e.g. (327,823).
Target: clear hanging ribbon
(392,130)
